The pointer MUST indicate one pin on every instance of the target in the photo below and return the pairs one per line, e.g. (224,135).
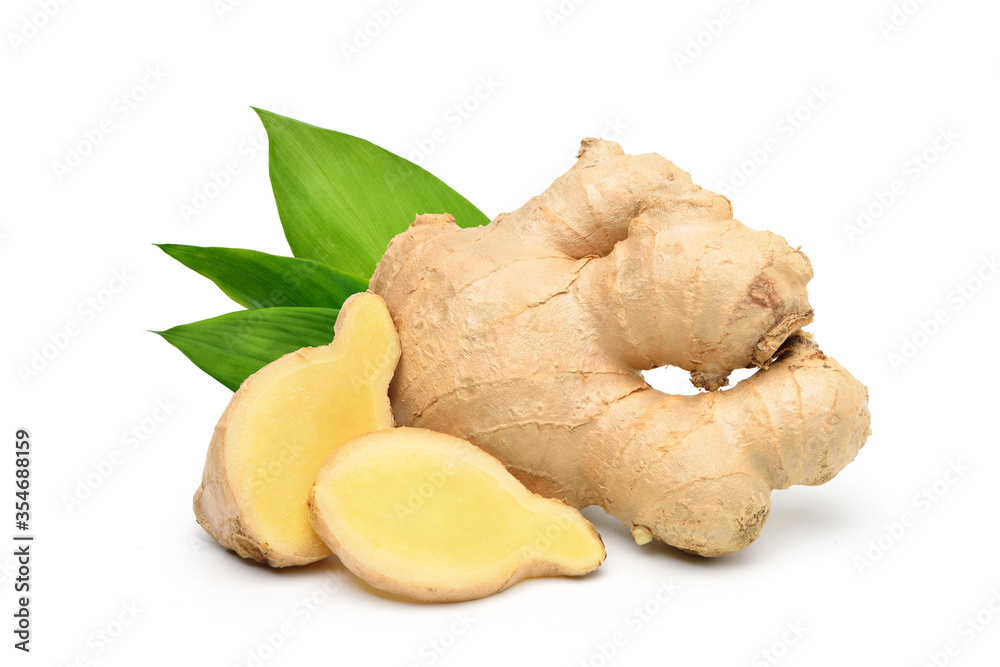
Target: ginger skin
(527,336)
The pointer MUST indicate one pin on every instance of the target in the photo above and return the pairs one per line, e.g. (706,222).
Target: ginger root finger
(588,209)
(699,470)
(433,518)
(692,287)
(280,426)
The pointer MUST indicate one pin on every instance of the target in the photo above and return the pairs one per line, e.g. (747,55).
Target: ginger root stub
(527,338)
(433,518)
(281,425)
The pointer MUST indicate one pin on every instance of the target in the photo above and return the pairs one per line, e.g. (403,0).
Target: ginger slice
(281,425)
(431,517)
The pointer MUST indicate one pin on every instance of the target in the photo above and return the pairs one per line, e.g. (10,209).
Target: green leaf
(233,347)
(341,199)
(259,280)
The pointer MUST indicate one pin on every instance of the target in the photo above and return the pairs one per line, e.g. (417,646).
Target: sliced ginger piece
(431,517)
(281,425)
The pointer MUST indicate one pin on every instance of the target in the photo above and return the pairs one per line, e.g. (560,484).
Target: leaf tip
(264,115)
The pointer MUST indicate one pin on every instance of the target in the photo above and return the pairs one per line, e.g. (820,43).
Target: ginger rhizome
(431,517)
(281,425)
(527,338)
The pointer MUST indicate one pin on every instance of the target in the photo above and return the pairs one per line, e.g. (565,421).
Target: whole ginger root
(527,338)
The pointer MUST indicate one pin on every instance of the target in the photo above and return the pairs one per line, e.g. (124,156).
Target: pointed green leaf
(259,280)
(233,347)
(341,199)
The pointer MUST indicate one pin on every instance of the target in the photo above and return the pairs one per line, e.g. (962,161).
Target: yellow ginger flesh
(281,425)
(431,517)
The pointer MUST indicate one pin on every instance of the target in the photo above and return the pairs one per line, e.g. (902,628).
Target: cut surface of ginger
(431,517)
(283,423)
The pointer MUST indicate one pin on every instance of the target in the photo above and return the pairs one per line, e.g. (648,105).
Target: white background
(835,562)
